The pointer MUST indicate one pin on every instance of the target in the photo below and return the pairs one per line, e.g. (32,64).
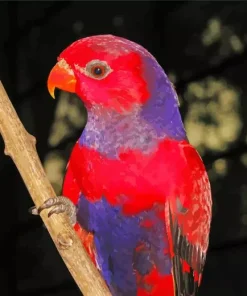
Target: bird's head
(105,70)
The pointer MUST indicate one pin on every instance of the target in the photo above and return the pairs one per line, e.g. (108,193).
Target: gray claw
(59,204)
(33,210)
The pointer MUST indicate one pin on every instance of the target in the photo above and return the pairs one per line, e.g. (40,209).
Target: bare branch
(20,146)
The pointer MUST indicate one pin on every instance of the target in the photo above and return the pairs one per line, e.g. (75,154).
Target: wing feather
(188,221)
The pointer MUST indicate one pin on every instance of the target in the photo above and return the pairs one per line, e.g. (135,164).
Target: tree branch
(20,146)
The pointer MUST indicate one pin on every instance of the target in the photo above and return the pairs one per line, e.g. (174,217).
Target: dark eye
(97,69)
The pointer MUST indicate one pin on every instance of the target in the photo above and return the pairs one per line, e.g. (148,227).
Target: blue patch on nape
(161,110)
(116,239)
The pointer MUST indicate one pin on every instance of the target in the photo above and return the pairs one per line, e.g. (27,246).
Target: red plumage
(146,186)
(146,198)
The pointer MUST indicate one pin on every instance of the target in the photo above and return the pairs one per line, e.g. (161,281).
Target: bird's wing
(188,218)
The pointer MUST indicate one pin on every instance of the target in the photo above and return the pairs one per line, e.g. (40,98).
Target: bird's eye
(97,69)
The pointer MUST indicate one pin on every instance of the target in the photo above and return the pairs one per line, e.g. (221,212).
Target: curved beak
(62,77)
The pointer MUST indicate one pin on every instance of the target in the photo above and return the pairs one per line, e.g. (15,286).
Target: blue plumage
(117,238)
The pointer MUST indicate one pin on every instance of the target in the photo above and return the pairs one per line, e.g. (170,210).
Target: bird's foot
(59,204)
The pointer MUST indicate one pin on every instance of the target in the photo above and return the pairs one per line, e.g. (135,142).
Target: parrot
(135,190)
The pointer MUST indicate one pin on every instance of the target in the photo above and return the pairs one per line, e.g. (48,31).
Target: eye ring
(97,69)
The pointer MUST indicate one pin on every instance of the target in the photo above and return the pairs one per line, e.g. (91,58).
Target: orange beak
(62,77)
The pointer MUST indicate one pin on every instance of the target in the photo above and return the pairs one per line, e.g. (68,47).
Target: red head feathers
(104,70)
(117,75)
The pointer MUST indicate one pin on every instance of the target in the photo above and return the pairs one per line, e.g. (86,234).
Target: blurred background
(201,46)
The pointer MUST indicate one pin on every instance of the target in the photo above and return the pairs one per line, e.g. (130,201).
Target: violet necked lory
(135,189)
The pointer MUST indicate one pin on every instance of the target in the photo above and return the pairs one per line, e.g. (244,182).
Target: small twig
(20,146)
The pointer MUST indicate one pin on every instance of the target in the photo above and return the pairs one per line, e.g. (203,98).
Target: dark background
(202,47)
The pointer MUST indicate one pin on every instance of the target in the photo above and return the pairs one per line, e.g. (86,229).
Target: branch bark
(20,146)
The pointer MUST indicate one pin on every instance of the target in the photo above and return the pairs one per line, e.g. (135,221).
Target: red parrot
(135,189)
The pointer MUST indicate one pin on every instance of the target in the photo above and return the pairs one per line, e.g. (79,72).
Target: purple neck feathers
(162,109)
(107,131)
